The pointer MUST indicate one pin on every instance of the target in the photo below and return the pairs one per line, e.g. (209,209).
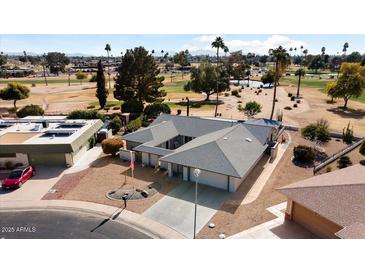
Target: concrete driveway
(176,209)
(36,187)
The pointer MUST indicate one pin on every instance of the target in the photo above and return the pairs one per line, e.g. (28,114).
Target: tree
(115,124)
(138,79)
(345,47)
(44,65)
(362,149)
(251,108)
(330,89)
(108,49)
(218,43)
(282,60)
(354,57)
(300,73)
(112,145)
(14,91)
(154,109)
(3,59)
(205,78)
(350,83)
(57,61)
(268,78)
(81,76)
(181,58)
(30,110)
(344,162)
(101,92)
(317,62)
(85,114)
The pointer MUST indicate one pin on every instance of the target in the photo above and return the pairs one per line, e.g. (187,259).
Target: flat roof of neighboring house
(338,196)
(16,138)
(28,135)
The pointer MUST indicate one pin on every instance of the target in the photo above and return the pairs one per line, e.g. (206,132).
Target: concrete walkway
(85,161)
(258,186)
(275,229)
(146,225)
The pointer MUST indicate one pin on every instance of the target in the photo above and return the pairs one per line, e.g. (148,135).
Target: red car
(18,177)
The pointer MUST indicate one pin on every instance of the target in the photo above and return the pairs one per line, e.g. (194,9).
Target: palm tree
(323,50)
(225,50)
(345,47)
(108,49)
(301,72)
(162,51)
(282,60)
(218,43)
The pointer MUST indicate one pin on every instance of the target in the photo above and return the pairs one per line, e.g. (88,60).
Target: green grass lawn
(174,87)
(110,104)
(199,105)
(307,82)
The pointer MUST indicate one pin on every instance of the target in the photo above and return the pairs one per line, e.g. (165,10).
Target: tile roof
(338,196)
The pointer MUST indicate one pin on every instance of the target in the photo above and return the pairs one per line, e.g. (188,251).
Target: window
(7,155)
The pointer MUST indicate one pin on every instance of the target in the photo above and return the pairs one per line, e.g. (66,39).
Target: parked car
(18,177)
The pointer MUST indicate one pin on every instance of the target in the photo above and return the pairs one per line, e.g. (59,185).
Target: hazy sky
(196,44)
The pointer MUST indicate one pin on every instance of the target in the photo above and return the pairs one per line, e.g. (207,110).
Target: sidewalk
(265,175)
(146,225)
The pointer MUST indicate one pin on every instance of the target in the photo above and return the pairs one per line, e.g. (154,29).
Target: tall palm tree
(108,49)
(44,63)
(345,47)
(282,60)
(162,51)
(218,43)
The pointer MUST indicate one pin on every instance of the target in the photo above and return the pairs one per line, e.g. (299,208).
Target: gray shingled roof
(156,132)
(338,196)
(194,126)
(231,151)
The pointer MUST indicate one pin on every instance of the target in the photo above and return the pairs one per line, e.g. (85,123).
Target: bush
(348,134)
(134,124)
(93,78)
(318,131)
(288,108)
(252,108)
(115,124)
(290,94)
(154,109)
(328,169)
(295,105)
(85,114)
(90,107)
(304,154)
(132,106)
(292,98)
(234,93)
(226,94)
(30,110)
(111,145)
(33,85)
(344,162)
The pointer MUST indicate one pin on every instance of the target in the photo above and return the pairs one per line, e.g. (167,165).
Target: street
(47,224)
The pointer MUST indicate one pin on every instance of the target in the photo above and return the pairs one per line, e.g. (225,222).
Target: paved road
(176,209)
(63,225)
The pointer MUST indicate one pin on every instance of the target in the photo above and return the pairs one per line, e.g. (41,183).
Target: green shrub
(226,94)
(328,169)
(30,110)
(234,92)
(344,162)
(93,78)
(85,114)
(115,124)
(251,108)
(132,106)
(318,131)
(134,124)
(304,154)
(91,106)
(154,109)
(111,145)
(348,134)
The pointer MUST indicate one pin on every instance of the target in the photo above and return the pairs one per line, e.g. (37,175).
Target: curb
(137,221)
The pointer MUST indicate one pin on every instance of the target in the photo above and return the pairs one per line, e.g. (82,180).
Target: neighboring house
(51,141)
(224,150)
(331,205)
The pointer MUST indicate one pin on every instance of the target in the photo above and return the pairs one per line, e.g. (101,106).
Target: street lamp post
(196,175)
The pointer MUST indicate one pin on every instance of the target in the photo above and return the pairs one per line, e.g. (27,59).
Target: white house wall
(211,179)
(19,158)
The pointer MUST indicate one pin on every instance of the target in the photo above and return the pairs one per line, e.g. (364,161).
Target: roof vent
(248,140)
(225,138)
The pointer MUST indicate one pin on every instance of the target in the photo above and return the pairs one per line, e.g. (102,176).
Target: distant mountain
(35,54)
(79,55)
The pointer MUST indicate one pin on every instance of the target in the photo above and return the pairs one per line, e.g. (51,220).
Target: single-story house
(331,205)
(48,140)
(225,150)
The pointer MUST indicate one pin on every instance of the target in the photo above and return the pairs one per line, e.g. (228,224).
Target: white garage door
(210,179)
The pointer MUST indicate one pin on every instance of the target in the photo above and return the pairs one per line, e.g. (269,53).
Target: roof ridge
(319,186)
